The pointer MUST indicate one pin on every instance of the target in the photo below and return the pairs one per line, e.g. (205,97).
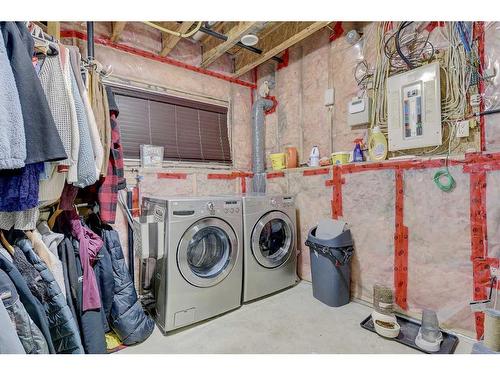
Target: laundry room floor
(292,321)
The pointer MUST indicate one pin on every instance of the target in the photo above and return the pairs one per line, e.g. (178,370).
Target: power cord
(450,183)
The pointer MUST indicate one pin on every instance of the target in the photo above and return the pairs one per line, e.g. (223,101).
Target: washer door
(272,239)
(207,252)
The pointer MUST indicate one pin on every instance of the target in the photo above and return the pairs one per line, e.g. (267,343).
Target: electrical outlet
(475,100)
(329,97)
(462,129)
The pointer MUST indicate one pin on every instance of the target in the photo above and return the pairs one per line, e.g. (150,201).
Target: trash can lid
(342,240)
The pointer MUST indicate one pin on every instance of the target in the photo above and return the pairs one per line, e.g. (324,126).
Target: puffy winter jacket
(33,306)
(29,334)
(63,328)
(9,341)
(127,319)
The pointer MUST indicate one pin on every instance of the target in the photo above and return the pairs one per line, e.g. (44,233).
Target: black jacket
(90,322)
(127,318)
(33,306)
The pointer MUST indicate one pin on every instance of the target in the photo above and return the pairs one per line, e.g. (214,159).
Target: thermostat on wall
(414,108)
(359,111)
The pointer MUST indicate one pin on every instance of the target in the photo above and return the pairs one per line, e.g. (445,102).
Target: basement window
(189,130)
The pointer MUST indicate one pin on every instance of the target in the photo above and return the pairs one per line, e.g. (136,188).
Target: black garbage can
(331,267)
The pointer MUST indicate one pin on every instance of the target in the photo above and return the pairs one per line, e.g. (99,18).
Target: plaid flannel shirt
(114,179)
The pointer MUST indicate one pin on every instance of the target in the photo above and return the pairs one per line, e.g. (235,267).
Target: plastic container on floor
(331,267)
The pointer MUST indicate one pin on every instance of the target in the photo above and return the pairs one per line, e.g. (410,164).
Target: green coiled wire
(450,183)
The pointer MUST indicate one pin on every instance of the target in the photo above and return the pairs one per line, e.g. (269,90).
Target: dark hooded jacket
(63,328)
(33,306)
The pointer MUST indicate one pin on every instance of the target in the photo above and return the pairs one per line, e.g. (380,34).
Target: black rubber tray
(409,330)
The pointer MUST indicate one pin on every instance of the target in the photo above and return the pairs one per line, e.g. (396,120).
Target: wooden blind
(188,130)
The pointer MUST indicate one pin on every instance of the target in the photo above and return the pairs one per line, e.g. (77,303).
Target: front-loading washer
(199,274)
(270,244)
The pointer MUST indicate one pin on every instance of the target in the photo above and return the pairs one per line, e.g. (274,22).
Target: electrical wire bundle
(363,75)
(407,49)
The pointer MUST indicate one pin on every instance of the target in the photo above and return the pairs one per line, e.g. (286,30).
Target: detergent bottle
(357,154)
(314,157)
(377,145)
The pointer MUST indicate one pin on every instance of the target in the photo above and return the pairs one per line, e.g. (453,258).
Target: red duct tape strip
(315,172)
(178,176)
(479,241)
(337,31)
(275,175)
(286,58)
(432,25)
(478,32)
(221,176)
(150,55)
(400,246)
(336,182)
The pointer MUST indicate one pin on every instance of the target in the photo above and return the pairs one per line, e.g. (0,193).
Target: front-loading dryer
(270,239)
(199,274)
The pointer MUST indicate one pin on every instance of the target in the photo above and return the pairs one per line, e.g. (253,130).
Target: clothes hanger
(6,243)
(52,218)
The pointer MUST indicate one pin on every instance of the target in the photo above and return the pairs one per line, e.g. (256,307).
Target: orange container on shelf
(291,157)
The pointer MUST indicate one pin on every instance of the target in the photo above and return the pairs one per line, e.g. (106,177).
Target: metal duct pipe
(223,37)
(90,40)
(259,141)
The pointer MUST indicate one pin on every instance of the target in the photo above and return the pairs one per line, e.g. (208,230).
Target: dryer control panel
(232,207)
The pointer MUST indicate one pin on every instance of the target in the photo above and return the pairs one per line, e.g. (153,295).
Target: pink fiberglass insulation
(368,207)
(440,270)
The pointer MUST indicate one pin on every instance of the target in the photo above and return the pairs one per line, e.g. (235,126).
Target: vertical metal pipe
(90,40)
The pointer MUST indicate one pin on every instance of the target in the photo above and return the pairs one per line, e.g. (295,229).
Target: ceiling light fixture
(249,39)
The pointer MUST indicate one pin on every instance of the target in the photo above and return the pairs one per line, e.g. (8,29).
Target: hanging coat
(86,172)
(75,59)
(128,319)
(9,340)
(12,139)
(114,179)
(63,328)
(90,322)
(30,336)
(42,140)
(33,306)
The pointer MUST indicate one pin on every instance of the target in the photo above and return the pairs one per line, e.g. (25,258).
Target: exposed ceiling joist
(170,41)
(275,42)
(233,36)
(117,30)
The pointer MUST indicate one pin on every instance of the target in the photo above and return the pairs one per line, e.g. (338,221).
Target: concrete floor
(288,322)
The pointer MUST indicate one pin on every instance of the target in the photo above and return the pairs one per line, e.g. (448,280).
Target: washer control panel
(232,207)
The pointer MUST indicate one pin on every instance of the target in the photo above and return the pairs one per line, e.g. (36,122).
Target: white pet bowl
(386,332)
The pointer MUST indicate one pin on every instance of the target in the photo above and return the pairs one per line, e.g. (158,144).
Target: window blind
(188,130)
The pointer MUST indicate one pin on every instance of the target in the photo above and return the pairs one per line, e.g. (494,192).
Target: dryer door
(207,252)
(273,239)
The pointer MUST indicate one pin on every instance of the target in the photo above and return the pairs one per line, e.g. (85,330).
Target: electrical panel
(358,111)
(414,108)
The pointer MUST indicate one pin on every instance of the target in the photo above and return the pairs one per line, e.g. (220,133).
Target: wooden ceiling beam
(117,28)
(169,41)
(233,36)
(275,42)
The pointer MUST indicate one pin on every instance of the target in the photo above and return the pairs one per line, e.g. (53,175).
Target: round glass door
(272,239)
(207,252)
